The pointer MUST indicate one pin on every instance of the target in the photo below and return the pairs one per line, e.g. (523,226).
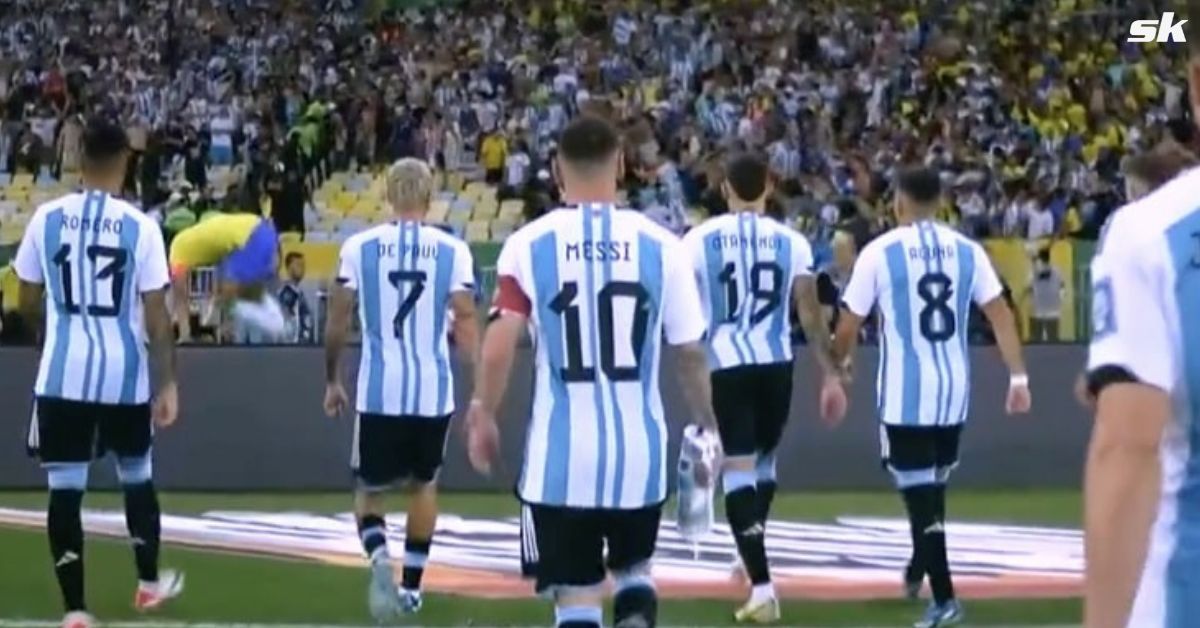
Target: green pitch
(235,589)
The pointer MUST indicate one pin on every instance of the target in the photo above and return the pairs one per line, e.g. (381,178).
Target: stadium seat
(478,232)
(290,237)
(22,181)
(438,210)
(5,179)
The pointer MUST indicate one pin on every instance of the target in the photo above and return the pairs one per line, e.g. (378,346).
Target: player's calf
(742,510)
(68,481)
(635,603)
(764,468)
(578,607)
(143,516)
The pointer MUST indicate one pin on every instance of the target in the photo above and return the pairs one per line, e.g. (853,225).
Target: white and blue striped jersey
(923,277)
(405,273)
(746,265)
(1146,303)
(601,288)
(96,256)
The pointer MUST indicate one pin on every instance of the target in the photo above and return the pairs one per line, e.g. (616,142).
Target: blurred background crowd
(1029,109)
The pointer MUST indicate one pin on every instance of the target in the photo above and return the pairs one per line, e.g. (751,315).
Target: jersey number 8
(936,319)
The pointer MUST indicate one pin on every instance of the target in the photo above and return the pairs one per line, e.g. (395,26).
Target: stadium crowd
(1028,131)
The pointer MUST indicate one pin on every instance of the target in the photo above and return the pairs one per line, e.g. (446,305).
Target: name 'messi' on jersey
(923,279)
(746,265)
(404,274)
(601,289)
(96,255)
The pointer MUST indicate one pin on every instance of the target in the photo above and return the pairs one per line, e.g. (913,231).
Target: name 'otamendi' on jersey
(96,256)
(923,277)
(1146,310)
(746,265)
(601,288)
(404,274)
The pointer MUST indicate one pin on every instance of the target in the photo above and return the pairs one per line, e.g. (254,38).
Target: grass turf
(224,588)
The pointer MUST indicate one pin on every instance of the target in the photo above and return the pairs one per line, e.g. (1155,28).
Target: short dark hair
(588,140)
(103,140)
(922,185)
(291,257)
(747,175)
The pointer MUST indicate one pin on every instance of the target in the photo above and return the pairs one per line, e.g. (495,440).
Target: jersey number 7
(417,279)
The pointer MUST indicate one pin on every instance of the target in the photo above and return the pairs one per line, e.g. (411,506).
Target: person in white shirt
(1142,510)
(407,278)
(600,289)
(516,170)
(923,277)
(97,267)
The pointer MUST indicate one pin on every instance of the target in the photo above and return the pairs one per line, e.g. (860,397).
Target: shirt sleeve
(987,282)
(512,295)
(802,257)
(1128,322)
(860,293)
(683,317)
(348,264)
(462,276)
(28,261)
(153,272)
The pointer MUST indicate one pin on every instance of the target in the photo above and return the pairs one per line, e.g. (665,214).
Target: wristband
(1015,381)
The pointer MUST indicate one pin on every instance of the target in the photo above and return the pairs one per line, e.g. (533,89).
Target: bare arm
(180,298)
(1007,339)
(694,379)
(162,338)
(337,325)
(495,360)
(846,338)
(1121,492)
(814,322)
(466,327)
(29,304)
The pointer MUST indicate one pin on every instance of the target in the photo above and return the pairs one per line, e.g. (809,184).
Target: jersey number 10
(109,263)
(564,305)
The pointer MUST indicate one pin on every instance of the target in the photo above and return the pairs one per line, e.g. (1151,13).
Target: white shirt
(96,255)
(746,266)
(1146,301)
(923,277)
(404,274)
(601,288)
(1041,224)
(517,169)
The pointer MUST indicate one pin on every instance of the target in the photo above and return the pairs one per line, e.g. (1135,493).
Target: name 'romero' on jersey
(601,288)
(96,255)
(746,264)
(923,277)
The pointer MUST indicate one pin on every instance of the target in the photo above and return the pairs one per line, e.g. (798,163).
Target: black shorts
(61,430)
(565,547)
(391,449)
(752,404)
(919,455)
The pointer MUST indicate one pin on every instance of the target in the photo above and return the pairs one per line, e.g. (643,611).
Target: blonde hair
(409,185)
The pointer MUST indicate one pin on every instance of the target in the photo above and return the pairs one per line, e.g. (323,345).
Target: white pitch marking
(22,623)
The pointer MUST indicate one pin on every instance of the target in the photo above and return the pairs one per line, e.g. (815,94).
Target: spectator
(295,302)
(492,153)
(1047,289)
(516,169)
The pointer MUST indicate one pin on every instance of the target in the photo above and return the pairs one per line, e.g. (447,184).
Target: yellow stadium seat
(289,237)
(478,232)
(343,201)
(11,233)
(454,181)
(438,210)
(69,179)
(22,181)
(485,210)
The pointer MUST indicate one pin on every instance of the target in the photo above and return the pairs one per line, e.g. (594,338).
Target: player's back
(745,264)
(596,279)
(1146,303)
(927,276)
(404,273)
(95,255)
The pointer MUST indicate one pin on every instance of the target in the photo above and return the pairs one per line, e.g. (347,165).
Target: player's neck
(101,183)
(747,208)
(590,196)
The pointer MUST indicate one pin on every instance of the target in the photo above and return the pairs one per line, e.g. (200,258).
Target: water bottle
(694,514)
